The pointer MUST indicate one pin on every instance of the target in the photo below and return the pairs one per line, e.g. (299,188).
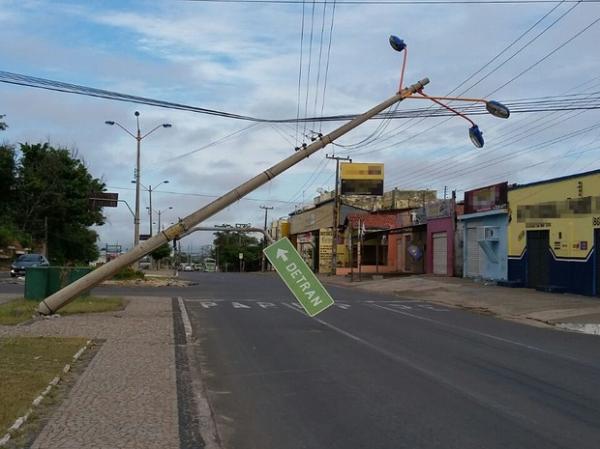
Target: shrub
(128,273)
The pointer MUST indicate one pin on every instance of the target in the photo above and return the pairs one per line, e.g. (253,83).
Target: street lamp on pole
(138,137)
(151,189)
(159,212)
(495,108)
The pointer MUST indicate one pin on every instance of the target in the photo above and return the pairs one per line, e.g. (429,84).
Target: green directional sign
(298,277)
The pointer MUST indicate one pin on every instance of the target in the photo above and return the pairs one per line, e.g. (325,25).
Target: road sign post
(298,277)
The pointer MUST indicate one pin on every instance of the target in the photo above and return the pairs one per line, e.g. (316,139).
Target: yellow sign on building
(361,178)
(350,170)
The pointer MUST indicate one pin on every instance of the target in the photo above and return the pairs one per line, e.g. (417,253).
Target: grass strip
(20,310)
(27,365)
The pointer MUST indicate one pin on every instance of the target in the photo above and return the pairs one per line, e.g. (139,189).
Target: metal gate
(538,258)
(440,253)
(474,255)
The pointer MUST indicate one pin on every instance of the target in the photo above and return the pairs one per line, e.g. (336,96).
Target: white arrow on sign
(282,254)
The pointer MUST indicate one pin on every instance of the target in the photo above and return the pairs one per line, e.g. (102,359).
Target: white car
(188,268)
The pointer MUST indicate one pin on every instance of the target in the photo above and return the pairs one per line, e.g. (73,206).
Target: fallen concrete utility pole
(61,298)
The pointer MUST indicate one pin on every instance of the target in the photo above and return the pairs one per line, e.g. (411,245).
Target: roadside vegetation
(28,365)
(21,310)
(45,195)
(127,274)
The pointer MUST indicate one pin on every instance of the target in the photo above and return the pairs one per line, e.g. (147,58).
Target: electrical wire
(405,2)
(327,65)
(300,73)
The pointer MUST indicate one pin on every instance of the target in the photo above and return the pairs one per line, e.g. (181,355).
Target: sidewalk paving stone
(126,397)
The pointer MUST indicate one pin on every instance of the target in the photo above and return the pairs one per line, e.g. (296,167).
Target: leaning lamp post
(495,108)
(59,299)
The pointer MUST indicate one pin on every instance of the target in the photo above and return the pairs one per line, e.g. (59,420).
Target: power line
(495,69)
(576,35)
(310,41)
(204,195)
(46,84)
(327,63)
(300,72)
(405,2)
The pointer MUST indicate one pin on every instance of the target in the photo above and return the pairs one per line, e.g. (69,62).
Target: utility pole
(138,137)
(262,263)
(61,298)
(336,206)
(150,208)
(45,249)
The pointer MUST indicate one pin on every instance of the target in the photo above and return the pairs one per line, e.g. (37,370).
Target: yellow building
(554,226)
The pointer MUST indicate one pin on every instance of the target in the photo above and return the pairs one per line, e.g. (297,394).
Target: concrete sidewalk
(568,311)
(127,396)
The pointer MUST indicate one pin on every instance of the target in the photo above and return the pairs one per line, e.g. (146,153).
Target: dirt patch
(151,282)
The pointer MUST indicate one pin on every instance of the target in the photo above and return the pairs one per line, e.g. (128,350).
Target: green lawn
(27,365)
(20,310)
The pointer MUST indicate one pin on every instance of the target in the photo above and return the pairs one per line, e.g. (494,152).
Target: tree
(3,125)
(161,252)
(230,244)
(53,186)
(7,182)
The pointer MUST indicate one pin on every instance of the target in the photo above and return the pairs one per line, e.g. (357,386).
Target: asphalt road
(383,372)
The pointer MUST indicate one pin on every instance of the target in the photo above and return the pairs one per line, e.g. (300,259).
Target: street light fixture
(495,108)
(138,137)
(159,212)
(151,189)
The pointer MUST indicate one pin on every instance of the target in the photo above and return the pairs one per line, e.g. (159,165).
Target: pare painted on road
(256,305)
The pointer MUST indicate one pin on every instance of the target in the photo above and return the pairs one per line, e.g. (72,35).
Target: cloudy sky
(245,59)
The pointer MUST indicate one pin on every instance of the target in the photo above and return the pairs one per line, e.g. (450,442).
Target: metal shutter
(473,253)
(440,253)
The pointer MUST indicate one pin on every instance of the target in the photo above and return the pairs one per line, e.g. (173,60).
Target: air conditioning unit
(491,233)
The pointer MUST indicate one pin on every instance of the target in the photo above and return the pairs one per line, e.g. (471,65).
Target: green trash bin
(77,273)
(36,282)
(60,277)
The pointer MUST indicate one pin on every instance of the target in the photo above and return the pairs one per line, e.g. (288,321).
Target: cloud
(245,59)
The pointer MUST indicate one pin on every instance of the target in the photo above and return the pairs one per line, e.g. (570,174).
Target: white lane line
(187,325)
(486,335)
(478,398)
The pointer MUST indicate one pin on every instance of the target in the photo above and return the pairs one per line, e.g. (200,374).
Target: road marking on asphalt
(239,305)
(187,325)
(484,334)
(250,304)
(265,305)
(208,304)
(475,397)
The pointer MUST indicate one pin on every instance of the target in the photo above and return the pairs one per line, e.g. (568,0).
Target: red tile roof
(372,221)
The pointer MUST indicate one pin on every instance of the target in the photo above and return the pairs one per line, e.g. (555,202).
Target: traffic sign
(298,277)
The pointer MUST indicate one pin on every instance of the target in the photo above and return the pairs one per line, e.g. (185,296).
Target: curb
(37,401)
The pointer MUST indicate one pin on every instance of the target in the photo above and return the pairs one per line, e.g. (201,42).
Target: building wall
(569,209)
(435,225)
(494,264)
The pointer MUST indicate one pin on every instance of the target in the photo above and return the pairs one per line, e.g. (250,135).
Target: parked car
(25,261)
(188,268)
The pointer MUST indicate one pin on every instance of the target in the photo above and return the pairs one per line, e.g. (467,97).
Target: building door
(400,253)
(408,262)
(440,253)
(473,253)
(597,251)
(538,258)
